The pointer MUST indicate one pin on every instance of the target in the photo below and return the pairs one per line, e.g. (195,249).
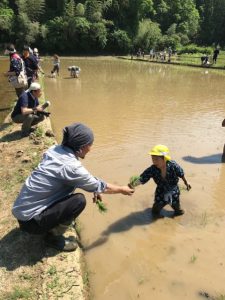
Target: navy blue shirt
(173,173)
(25,100)
(31,65)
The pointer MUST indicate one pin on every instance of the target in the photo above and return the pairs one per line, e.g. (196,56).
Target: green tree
(33,8)
(93,10)
(146,9)
(80,10)
(119,42)
(98,36)
(183,13)
(55,41)
(212,22)
(148,35)
(27,31)
(6,19)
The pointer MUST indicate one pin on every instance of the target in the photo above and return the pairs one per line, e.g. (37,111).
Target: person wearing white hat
(27,109)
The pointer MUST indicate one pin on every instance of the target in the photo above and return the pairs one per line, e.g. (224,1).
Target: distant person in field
(56,65)
(215,55)
(36,54)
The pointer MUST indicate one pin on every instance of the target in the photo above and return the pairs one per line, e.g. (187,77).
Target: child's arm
(186,183)
(134,181)
(140,179)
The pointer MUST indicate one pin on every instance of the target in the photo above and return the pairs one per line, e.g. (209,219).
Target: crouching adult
(27,110)
(47,203)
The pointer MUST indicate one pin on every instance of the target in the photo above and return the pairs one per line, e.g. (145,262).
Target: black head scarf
(76,136)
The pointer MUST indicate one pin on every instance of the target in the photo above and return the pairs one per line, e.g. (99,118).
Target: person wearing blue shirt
(31,64)
(27,108)
(47,203)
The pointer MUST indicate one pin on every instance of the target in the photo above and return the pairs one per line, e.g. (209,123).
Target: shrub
(192,49)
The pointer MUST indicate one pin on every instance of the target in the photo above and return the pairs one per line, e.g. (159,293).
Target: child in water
(56,63)
(166,173)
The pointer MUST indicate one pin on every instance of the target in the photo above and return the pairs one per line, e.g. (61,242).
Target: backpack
(19,81)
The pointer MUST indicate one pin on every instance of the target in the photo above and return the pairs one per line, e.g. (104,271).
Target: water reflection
(131,107)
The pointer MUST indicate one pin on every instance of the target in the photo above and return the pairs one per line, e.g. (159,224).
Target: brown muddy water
(131,106)
(7,94)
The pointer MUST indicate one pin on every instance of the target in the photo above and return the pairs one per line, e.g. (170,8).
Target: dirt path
(29,270)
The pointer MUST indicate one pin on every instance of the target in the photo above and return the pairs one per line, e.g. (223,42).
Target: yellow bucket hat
(160,150)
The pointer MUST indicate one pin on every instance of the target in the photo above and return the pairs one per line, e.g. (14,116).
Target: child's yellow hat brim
(160,150)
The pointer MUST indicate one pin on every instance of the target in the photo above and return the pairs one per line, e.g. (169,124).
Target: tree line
(111,26)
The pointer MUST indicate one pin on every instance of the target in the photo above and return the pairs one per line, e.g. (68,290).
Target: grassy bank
(189,60)
(29,270)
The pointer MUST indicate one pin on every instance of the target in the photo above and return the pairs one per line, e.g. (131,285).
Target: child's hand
(188,186)
(134,181)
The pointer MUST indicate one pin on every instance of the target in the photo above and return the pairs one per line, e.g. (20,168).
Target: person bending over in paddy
(47,203)
(166,173)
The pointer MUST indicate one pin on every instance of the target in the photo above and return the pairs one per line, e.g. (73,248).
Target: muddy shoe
(179,212)
(24,134)
(60,242)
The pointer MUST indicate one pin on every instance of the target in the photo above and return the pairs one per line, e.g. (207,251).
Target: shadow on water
(74,78)
(18,248)
(139,218)
(210,159)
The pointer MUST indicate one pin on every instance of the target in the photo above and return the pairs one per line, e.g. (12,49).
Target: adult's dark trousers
(28,121)
(62,212)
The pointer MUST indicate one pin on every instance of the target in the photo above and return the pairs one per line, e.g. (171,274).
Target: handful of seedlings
(98,201)
(101,206)
(134,181)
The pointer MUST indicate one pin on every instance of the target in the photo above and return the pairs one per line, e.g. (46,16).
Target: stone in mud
(49,133)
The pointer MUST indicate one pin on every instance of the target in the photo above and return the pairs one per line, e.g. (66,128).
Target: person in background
(36,54)
(170,52)
(15,66)
(215,55)
(31,64)
(27,109)
(47,203)
(166,173)
(56,64)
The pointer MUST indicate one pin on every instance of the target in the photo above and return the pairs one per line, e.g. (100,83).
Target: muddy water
(7,93)
(132,106)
